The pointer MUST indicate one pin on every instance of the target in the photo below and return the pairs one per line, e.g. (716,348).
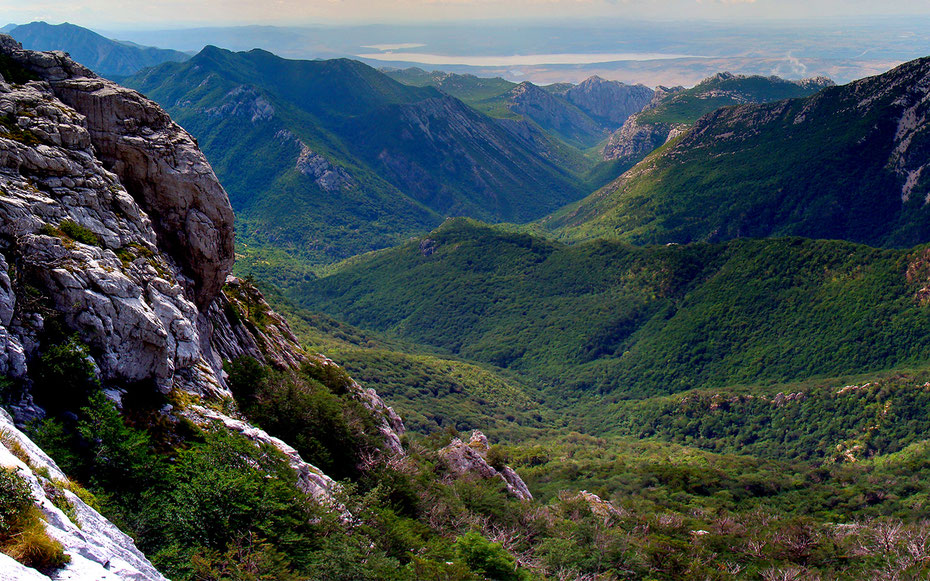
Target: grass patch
(79,233)
(16,133)
(15,448)
(22,527)
(71,231)
(55,492)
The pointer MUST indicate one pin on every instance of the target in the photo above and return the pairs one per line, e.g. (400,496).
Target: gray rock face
(98,549)
(107,277)
(611,101)
(236,330)
(634,141)
(554,113)
(243,101)
(471,461)
(327,175)
(157,162)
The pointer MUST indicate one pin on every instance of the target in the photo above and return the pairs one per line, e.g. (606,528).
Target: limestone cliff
(610,101)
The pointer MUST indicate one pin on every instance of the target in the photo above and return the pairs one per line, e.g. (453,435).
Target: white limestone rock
(97,548)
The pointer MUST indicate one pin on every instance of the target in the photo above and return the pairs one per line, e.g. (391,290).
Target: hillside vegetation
(845,163)
(605,317)
(106,57)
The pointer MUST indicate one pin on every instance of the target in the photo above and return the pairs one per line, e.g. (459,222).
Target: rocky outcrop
(470,460)
(156,161)
(598,506)
(243,101)
(244,324)
(609,101)
(327,175)
(80,248)
(634,141)
(96,547)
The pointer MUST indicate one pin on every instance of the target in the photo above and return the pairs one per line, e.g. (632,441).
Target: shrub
(332,376)
(487,558)
(328,431)
(78,233)
(15,498)
(121,458)
(65,376)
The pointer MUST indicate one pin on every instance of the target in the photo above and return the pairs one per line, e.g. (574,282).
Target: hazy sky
(165,13)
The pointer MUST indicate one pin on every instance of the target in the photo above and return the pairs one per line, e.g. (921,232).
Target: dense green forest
(608,318)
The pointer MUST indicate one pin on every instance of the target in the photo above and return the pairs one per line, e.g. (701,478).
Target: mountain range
(110,58)
(582,115)
(299,143)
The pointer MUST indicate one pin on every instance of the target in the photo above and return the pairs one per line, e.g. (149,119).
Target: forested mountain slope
(606,317)
(110,58)
(846,163)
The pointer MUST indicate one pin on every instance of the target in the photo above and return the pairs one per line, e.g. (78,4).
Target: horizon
(651,51)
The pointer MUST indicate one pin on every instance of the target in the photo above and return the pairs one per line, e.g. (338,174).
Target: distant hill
(106,57)
(674,110)
(326,159)
(606,317)
(582,115)
(848,162)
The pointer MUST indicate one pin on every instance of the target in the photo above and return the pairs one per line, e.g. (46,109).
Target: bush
(487,558)
(15,498)
(65,376)
(330,432)
(78,233)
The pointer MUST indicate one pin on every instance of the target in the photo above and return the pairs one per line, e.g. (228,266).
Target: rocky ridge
(554,113)
(610,101)
(651,128)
